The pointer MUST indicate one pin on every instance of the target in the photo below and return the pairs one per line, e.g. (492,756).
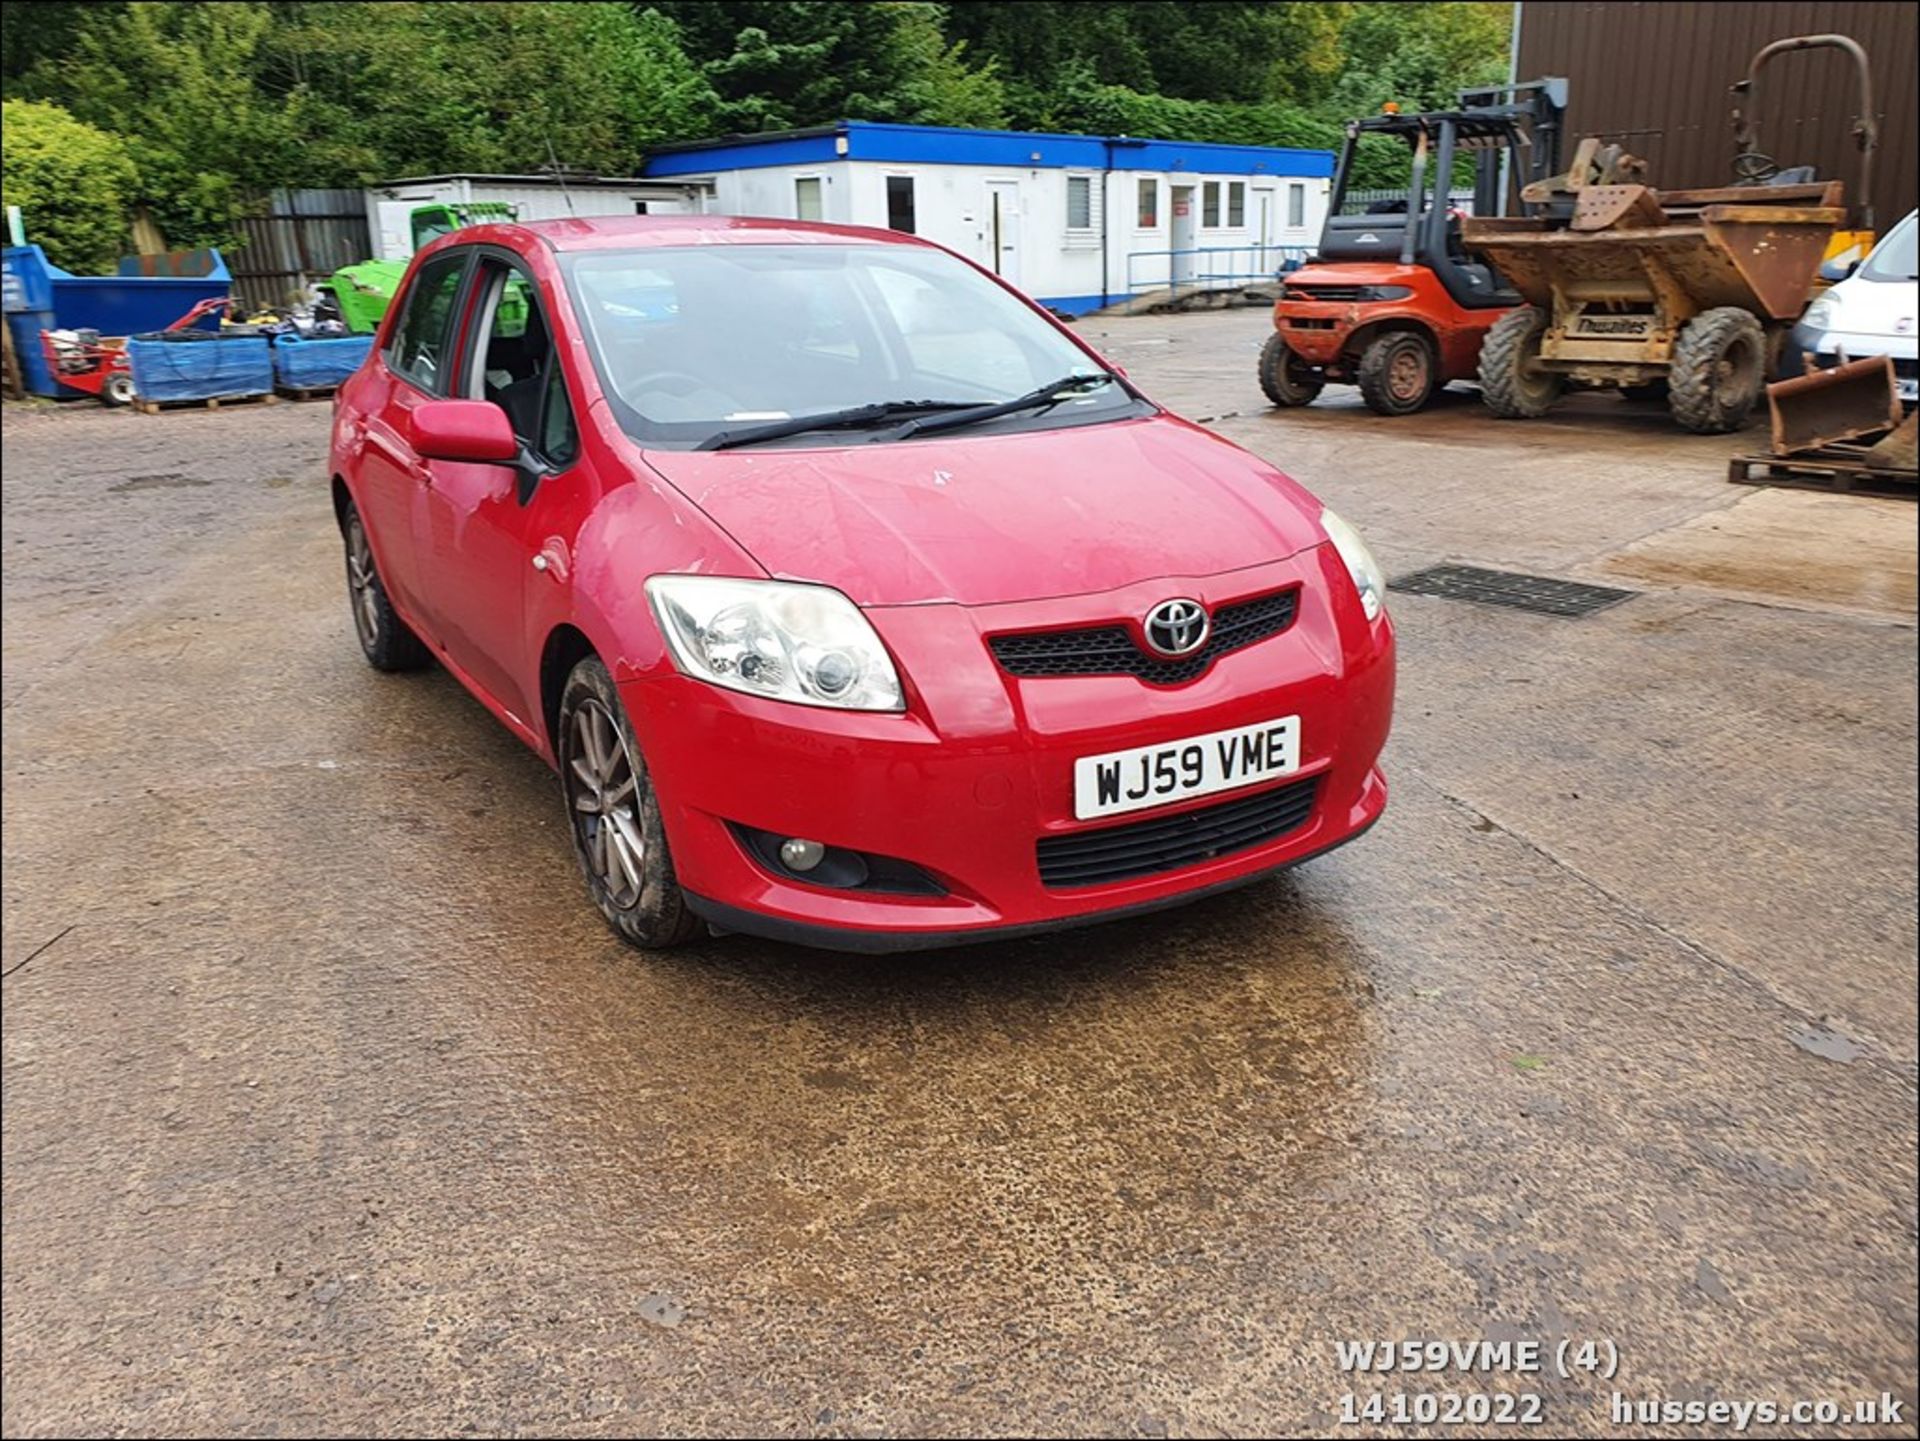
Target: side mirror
(1836,270)
(472,430)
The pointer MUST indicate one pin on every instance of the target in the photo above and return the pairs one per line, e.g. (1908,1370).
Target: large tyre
(385,639)
(1512,380)
(1719,369)
(1398,373)
(1284,376)
(614,816)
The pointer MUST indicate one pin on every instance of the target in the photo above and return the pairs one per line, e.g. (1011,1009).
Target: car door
(479,529)
(415,362)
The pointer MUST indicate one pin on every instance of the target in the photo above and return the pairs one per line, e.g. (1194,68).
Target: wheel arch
(1363,335)
(342,498)
(566,646)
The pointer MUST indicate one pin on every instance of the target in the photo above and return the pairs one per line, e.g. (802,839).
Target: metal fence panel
(296,238)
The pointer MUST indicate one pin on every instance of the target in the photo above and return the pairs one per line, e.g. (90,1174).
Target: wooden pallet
(305,392)
(212,402)
(1837,468)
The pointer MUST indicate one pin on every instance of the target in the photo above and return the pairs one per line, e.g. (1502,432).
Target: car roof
(629,232)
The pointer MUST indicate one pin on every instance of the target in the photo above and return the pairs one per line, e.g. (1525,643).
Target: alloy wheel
(362,583)
(603,794)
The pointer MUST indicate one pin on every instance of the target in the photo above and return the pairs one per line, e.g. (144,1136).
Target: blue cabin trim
(1011,149)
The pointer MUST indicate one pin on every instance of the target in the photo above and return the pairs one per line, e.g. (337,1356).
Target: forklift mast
(1541,106)
(1505,127)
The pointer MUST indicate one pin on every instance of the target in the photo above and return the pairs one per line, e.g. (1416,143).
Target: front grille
(1324,292)
(1166,843)
(1110,649)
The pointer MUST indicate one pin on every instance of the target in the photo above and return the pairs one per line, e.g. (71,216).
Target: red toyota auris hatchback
(855,601)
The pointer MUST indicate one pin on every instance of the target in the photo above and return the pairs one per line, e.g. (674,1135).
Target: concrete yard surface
(331,1106)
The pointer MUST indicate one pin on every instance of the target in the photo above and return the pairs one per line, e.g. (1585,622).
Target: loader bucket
(1759,257)
(1823,406)
(1775,250)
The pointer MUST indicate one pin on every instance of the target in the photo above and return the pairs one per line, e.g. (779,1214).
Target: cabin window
(1079,202)
(900,203)
(808,203)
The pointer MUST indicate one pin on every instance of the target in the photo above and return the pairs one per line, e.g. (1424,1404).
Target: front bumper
(1827,346)
(979,768)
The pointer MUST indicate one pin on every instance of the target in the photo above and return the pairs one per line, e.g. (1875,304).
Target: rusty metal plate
(1600,207)
(1845,402)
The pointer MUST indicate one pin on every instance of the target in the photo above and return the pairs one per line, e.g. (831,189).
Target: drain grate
(1508,588)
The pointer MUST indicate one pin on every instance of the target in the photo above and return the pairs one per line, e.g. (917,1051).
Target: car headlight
(1819,315)
(1368,578)
(778,639)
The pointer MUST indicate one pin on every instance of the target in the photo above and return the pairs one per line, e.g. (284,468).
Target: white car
(1872,311)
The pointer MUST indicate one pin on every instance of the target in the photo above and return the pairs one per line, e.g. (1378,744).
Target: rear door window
(423,339)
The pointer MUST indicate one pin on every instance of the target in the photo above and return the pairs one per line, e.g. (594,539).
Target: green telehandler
(361,293)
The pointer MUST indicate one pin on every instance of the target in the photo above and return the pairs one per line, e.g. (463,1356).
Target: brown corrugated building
(1655,77)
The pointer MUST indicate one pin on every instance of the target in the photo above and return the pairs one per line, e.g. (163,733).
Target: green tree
(511,87)
(177,81)
(1219,50)
(30,33)
(222,101)
(939,86)
(1420,54)
(71,181)
(776,64)
(217,102)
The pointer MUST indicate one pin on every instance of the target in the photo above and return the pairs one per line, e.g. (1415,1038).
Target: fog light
(799,855)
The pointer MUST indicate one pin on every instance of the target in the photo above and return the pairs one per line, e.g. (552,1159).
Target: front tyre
(614,816)
(1397,373)
(1513,382)
(1284,376)
(1719,369)
(385,639)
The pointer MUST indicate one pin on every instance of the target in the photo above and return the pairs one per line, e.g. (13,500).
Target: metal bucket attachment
(1901,449)
(1823,406)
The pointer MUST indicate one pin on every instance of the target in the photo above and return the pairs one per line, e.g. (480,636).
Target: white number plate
(1132,780)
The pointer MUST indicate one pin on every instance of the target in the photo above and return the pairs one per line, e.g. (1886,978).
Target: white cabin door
(1185,227)
(1003,229)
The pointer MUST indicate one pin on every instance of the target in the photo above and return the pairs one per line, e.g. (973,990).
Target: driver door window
(421,340)
(516,366)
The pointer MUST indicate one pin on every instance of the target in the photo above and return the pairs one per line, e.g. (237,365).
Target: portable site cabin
(390,203)
(1076,221)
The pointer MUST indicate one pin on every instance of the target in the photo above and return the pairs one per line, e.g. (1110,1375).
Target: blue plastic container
(218,368)
(150,292)
(303,364)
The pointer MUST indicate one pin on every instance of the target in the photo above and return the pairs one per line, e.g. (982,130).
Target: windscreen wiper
(1051,394)
(872,414)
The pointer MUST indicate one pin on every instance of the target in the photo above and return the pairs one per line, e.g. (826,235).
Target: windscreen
(693,341)
(1895,257)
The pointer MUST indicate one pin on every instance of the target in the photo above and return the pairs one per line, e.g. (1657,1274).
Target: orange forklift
(1393,302)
